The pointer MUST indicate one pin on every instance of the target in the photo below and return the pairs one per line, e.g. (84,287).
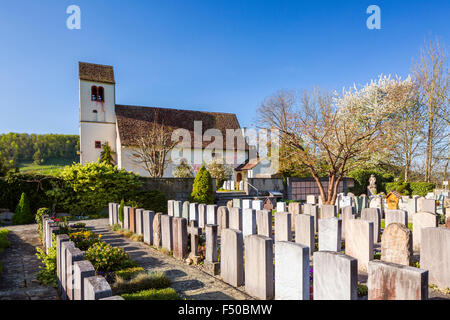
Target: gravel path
(190,282)
(20,265)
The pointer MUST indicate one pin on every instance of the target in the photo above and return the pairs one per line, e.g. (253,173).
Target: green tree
(202,190)
(106,156)
(220,171)
(23,213)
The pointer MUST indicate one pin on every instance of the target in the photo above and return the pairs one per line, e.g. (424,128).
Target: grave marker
(166,232)
(264,223)
(330,232)
(231,257)
(359,242)
(396,244)
(283,228)
(304,231)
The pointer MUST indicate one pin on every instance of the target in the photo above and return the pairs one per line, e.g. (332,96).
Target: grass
(50,167)
(153,294)
(141,281)
(4,242)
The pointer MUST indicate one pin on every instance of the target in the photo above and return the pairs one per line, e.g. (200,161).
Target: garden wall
(174,188)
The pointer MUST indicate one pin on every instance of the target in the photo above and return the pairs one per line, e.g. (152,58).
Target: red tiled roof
(96,72)
(132,121)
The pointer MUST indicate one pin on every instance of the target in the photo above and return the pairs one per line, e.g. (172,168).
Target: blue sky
(223,56)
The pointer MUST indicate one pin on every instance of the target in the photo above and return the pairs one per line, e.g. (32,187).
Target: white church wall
(91,132)
(105,110)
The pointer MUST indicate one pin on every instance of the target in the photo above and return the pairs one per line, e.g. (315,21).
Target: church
(103,121)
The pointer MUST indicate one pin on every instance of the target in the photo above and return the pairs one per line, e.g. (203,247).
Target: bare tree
(152,148)
(330,135)
(431,73)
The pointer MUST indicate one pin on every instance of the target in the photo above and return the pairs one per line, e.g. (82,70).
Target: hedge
(411,188)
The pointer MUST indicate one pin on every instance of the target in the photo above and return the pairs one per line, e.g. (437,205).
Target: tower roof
(96,72)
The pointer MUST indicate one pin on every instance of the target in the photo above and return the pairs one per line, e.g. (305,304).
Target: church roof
(96,72)
(132,121)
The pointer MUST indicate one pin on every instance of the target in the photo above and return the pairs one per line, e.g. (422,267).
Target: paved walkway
(190,282)
(20,265)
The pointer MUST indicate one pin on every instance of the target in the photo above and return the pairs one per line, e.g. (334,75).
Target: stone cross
(195,233)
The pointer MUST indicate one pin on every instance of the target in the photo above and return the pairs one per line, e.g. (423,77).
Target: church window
(101,96)
(98,144)
(94,93)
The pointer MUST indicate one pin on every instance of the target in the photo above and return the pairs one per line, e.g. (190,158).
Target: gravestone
(126,218)
(269,204)
(335,276)
(257,204)
(235,218)
(202,215)
(241,185)
(211,263)
(359,242)
(328,211)
(211,214)
(60,238)
(291,271)
(283,228)
(264,223)
(132,219)
(426,205)
(304,231)
(248,222)
(157,230)
(179,226)
(311,199)
(281,207)
(223,219)
(237,203)
(391,281)
(347,213)
(194,233)
(232,257)
(72,255)
(166,232)
(177,209)
(96,288)
(193,212)
(259,269)
(185,210)
(396,244)
(395,216)
(82,269)
(373,215)
(330,232)
(110,213)
(246,204)
(362,203)
(422,220)
(313,210)
(147,226)
(170,208)
(435,255)
(139,221)
(295,208)
(66,245)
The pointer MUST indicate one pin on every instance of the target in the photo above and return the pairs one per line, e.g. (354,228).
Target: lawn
(50,167)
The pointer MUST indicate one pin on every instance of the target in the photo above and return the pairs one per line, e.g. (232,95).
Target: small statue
(372,188)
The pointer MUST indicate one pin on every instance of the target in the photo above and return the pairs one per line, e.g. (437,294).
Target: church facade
(103,121)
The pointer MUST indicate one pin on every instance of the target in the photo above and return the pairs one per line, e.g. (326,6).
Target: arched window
(101,96)
(94,93)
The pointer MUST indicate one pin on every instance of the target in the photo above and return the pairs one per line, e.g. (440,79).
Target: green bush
(38,218)
(23,214)
(400,186)
(83,240)
(142,281)
(122,204)
(4,242)
(153,200)
(421,188)
(153,294)
(361,179)
(87,189)
(47,273)
(202,190)
(106,258)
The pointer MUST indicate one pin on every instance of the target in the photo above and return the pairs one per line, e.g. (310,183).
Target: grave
(435,255)
(157,230)
(211,264)
(147,226)
(248,222)
(359,242)
(422,220)
(166,232)
(373,215)
(283,228)
(96,288)
(179,226)
(237,203)
(232,257)
(304,231)
(82,269)
(313,210)
(223,219)
(72,255)
(330,232)
(170,208)
(291,271)
(235,218)
(193,212)
(139,221)
(132,219)
(194,233)
(396,216)
(281,207)
(311,199)
(185,210)
(264,223)
(347,214)
(246,204)
(211,214)
(257,204)
(202,215)
(177,209)
(396,244)
(426,205)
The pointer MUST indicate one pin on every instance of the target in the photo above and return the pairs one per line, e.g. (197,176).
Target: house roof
(133,121)
(96,72)
(247,165)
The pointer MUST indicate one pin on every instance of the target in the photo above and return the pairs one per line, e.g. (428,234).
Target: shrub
(116,227)
(421,188)
(4,242)
(122,204)
(361,179)
(23,213)
(153,294)
(84,239)
(362,290)
(220,171)
(202,190)
(142,281)
(153,200)
(402,187)
(38,218)
(47,273)
(183,170)
(106,258)
(87,189)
